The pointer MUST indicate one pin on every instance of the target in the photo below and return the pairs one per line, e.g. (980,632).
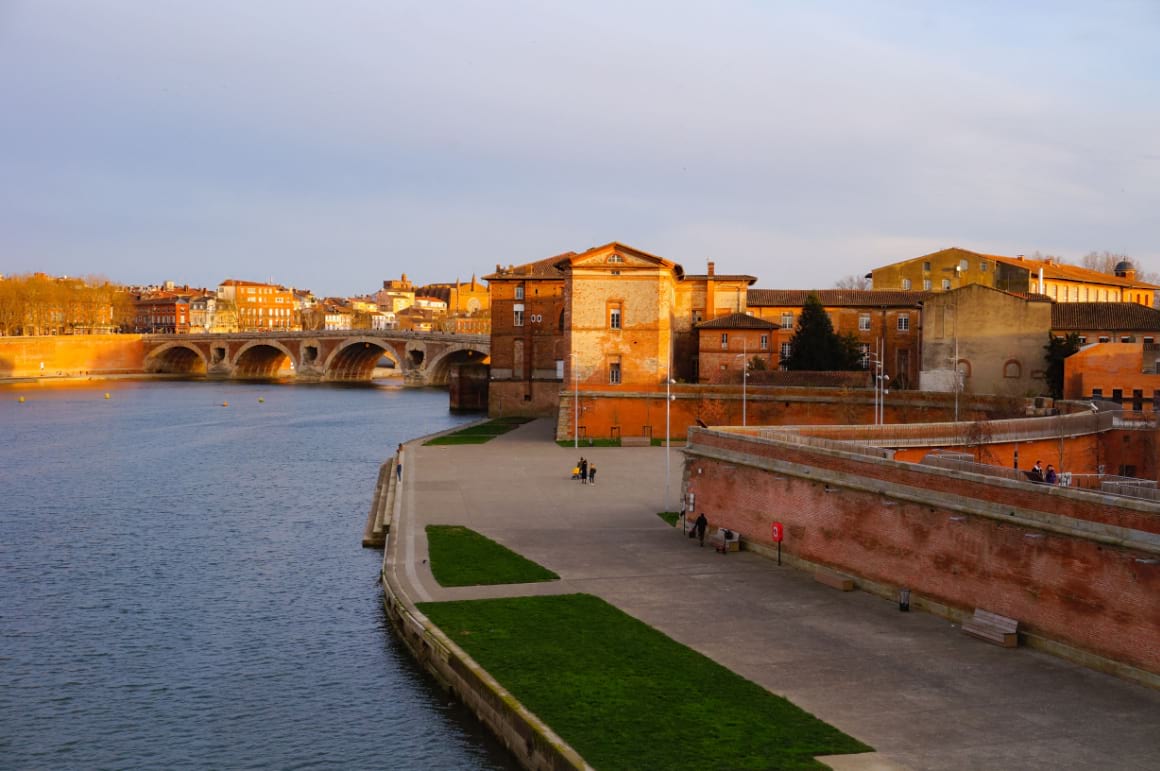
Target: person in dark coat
(700,526)
(583,471)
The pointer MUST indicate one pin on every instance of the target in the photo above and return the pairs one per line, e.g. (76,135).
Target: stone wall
(1080,571)
(71,356)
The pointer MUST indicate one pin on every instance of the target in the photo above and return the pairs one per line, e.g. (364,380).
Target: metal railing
(1109,484)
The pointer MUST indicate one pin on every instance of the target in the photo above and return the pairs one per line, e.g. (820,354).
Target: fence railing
(1110,484)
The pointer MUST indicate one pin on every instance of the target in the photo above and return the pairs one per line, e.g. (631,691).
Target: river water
(182,584)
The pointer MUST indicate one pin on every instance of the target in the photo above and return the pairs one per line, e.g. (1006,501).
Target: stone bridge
(346,356)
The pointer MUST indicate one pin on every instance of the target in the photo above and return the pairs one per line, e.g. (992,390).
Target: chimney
(1019,256)
(712,268)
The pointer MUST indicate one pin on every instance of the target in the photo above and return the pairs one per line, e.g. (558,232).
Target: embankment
(71,356)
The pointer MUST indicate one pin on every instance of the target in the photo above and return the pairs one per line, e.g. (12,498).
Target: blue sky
(334,145)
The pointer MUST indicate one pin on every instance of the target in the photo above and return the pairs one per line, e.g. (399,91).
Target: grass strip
(481,433)
(462,557)
(671,517)
(589,442)
(626,696)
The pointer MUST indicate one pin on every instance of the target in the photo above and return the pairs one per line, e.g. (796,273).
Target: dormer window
(615,258)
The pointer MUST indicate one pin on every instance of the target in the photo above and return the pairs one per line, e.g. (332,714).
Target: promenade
(911,685)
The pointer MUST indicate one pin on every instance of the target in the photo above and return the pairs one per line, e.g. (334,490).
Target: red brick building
(731,344)
(162,313)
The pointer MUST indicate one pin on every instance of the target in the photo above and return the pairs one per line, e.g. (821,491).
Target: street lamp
(744,355)
(575,403)
(668,451)
(881,381)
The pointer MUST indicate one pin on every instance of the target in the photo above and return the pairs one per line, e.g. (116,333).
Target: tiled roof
(1103,316)
(737,321)
(545,268)
(720,277)
(834,297)
(1051,269)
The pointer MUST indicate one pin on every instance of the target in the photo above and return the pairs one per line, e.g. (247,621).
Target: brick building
(162,313)
(258,307)
(952,268)
(1106,322)
(892,318)
(1125,373)
(732,345)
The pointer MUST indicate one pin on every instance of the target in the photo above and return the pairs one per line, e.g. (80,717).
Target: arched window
(1012,368)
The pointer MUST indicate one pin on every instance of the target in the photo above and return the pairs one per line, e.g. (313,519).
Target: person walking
(399,464)
(700,526)
(583,471)
(592,474)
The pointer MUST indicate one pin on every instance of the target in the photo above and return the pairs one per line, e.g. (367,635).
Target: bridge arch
(176,359)
(262,359)
(439,368)
(354,360)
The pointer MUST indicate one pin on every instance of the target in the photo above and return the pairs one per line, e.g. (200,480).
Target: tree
(853,281)
(1058,349)
(816,347)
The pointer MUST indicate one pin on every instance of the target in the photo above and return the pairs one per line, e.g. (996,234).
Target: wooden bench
(834,580)
(636,441)
(993,628)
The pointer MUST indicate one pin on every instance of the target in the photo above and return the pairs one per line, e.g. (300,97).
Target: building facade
(258,307)
(733,345)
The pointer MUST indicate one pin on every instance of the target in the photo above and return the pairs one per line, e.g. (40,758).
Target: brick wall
(71,356)
(1054,559)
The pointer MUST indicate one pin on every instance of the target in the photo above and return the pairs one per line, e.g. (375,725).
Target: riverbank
(909,684)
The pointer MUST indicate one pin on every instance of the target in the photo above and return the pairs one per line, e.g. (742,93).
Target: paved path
(909,684)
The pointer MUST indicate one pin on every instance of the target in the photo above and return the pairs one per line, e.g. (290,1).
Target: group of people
(585,472)
(1039,476)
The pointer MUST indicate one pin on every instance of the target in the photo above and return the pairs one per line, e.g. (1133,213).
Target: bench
(636,441)
(993,628)
(834,580)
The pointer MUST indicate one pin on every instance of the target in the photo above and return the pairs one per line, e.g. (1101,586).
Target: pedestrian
(583,471)
(399,464)
(592,474)
(700,525)
(1036,472)
(1050,477)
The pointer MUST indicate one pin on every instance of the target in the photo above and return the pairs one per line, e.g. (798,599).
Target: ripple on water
(183,586)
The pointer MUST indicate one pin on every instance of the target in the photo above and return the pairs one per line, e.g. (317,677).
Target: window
(614,316)
(787,321)
(724,341)
(865,348)
(765,342)
(698,316)
(1012,369)
(926,284)
(926,266)
(615,258)
(518,319)
(520,292)
(785,350)
(946,284)
(906,284)
(1126,339)
(1149,340)
(1104,338)
(1083,340)
(963,265)
(614,373)
(863,322)
(904,322)
(983,266)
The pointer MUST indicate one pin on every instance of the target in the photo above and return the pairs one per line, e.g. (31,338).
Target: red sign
(776,532)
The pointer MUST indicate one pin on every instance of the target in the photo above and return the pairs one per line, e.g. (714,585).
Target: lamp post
(575,403)
(744,356)
(668,450)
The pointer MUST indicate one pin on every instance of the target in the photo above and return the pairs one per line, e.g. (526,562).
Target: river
(182,583)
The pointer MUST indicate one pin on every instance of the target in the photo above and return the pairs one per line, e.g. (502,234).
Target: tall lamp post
(744,356)
(575,403)
(668,450)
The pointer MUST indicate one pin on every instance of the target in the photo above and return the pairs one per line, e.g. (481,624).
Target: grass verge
(479,434)
(672,517)
(626,696)
(589,443)
(462,557)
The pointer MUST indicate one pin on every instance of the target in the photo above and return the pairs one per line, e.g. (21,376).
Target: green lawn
(462,557)
(672,517)
(478,434)
(626,696)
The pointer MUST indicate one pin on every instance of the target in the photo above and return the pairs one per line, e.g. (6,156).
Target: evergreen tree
(816,347)
(1058,349)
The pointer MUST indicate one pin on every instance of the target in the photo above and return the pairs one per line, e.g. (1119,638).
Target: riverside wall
(71,356)
(1079,570)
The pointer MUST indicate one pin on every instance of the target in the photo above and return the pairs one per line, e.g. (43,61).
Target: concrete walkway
(910,685)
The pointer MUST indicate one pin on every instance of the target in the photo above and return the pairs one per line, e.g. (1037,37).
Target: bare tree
(1103,262)
(853,281)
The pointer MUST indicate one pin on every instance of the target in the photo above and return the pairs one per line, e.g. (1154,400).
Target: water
(182,584)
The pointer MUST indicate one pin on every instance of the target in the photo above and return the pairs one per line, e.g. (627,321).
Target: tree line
(37,304)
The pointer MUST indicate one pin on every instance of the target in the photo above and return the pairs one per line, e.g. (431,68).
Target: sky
(334,145)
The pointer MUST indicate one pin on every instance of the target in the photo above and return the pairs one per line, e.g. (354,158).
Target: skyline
(333,149)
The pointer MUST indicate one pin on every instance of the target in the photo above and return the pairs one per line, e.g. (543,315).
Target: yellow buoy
(21,400)
(261,400)
(106,396)
(225,404)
